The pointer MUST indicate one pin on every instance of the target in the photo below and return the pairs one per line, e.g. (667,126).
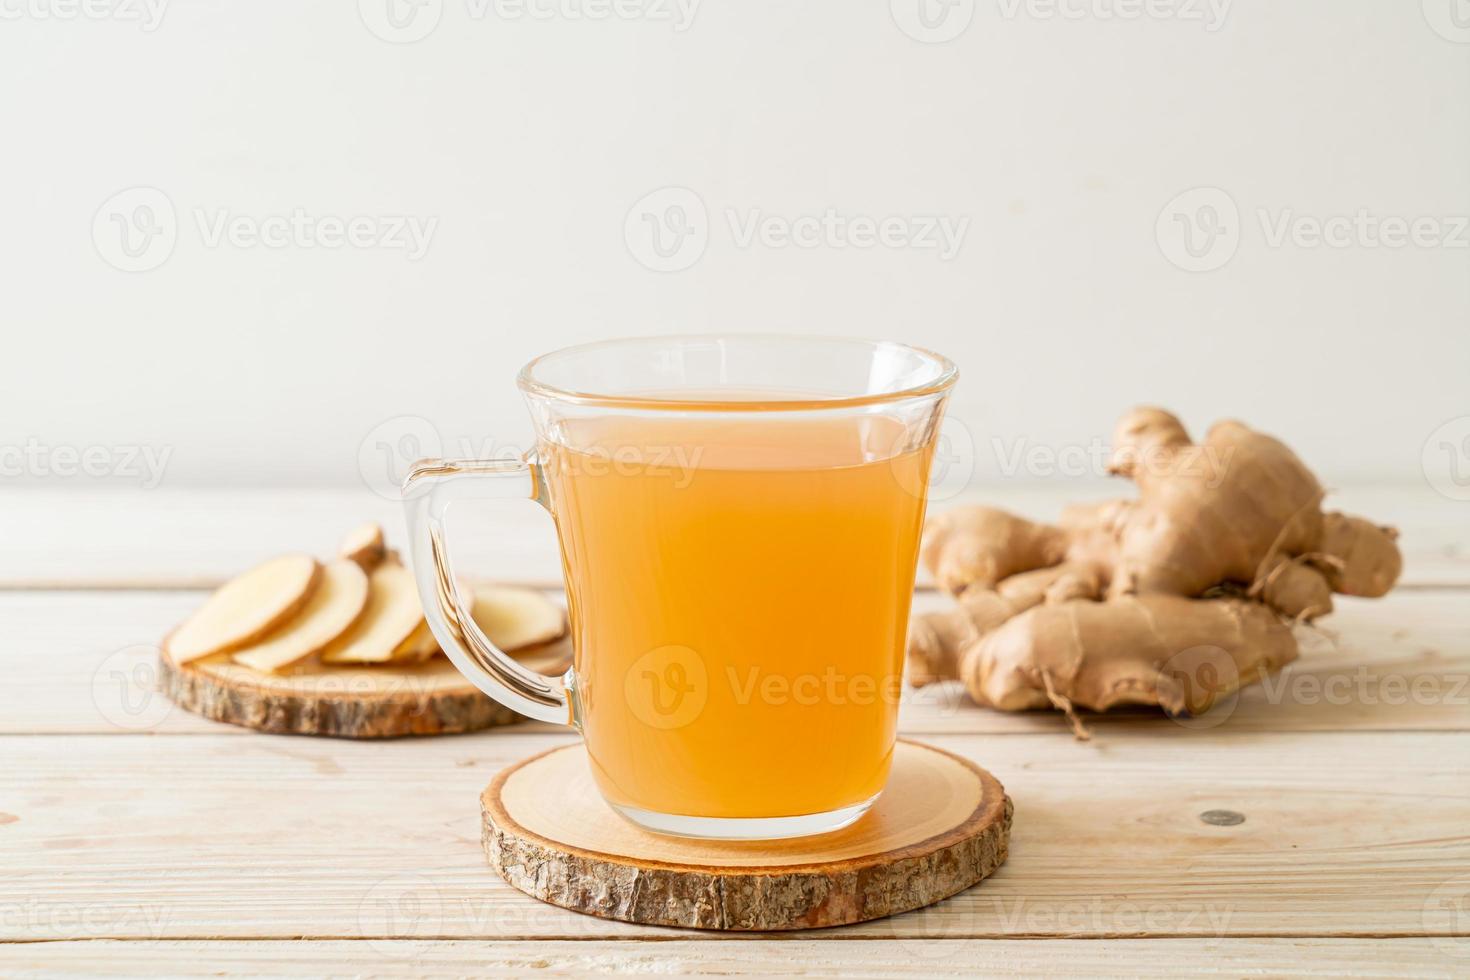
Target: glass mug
(739,522)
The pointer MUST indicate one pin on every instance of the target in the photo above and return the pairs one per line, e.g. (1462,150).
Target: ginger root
(1180,654)
(1224,549)
(1238,507)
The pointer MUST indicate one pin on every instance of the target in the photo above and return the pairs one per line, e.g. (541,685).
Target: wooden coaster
(941,825)
(432,698)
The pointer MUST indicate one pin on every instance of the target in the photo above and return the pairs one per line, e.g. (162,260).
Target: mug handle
(431,485)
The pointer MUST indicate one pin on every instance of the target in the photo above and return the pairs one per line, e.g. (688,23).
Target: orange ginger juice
(739,592)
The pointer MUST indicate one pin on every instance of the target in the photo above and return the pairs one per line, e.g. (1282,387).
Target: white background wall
(1061,139)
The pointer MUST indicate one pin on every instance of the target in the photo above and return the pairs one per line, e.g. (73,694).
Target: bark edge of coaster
(431,698)
(942,825)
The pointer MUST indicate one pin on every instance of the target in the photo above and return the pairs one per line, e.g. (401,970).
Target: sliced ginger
(364,544)
(420,646)
(362,608)
(246,608)
(334,606)
(392,616)
(515,619)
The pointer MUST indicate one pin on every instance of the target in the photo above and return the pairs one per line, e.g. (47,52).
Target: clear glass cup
(739,522)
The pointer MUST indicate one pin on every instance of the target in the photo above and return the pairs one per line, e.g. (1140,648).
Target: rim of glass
(527,381)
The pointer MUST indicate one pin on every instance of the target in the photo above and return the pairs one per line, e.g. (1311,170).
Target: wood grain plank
(225,837)
(83,662)
(183,538)
(757,957)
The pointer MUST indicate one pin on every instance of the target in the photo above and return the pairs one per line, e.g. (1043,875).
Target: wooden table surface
(138,839)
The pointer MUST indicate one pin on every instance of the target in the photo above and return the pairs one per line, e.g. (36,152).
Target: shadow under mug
(739,521)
